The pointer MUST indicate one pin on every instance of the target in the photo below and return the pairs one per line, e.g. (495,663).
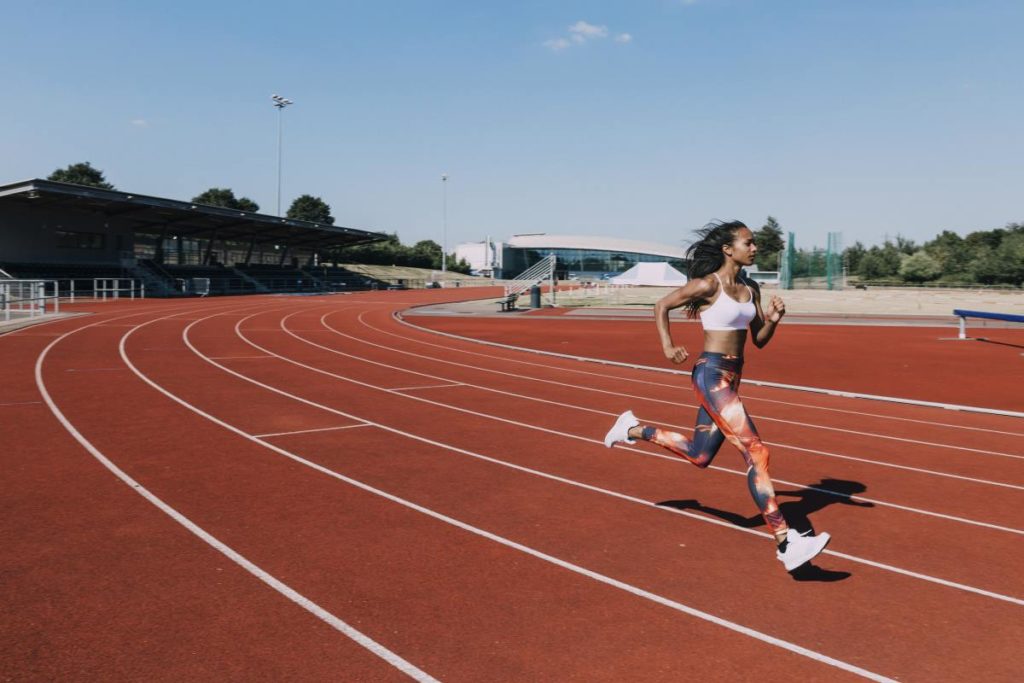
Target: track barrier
(964,315)
(27,298)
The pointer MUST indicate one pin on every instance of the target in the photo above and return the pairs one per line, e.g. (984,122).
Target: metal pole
(280,120)
(444,214)
(280,103)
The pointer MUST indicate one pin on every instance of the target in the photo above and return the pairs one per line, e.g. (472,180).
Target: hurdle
(965,314)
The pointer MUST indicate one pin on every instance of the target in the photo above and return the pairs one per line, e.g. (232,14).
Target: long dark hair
(706,256)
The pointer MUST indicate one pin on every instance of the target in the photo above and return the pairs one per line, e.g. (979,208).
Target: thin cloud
(140,123)
(557,44)
(582,32)
(585,30)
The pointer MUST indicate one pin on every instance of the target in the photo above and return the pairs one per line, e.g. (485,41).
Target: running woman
(726,303)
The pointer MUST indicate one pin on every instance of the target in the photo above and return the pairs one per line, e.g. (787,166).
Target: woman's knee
(759,455)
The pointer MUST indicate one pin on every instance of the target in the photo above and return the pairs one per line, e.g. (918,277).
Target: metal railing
(534,275)
(27,299)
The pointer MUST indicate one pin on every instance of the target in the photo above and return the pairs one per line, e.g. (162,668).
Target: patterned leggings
(716,381)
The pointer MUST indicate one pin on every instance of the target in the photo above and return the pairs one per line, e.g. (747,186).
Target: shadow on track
(797,512)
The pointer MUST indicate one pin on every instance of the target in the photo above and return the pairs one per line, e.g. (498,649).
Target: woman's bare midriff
(729,342)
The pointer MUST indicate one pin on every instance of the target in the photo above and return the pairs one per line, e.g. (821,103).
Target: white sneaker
(620,430)
(801,548)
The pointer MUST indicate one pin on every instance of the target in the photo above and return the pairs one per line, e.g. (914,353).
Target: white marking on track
(279,586)
(676,403)
(672,604)
(92,369)
(880,463)
(310,431)
(429,386)
(777,385)
(615,494)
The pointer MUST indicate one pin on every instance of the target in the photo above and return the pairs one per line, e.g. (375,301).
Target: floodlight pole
(280,103)
(444,219)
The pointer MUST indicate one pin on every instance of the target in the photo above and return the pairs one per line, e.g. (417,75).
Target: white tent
(657,274)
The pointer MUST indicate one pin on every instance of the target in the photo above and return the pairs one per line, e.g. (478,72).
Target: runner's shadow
(797,512)
(1000,343)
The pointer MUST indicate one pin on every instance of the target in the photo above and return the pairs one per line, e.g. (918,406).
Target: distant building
(584,256)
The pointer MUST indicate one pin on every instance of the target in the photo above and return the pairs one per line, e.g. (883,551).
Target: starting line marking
(310,431)
(429,386)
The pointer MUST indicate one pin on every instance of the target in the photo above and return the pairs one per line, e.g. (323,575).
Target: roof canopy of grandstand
(186,219)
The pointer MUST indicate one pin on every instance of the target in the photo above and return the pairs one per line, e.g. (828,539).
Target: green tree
(460,266)
(919,267)
(1011,254)
(246,204)
(218,196)
(852,256)
(81,174)
(427,253)
(769,243)
(986,266)
(949,250)
(880,263)
(310,208)
(905,245)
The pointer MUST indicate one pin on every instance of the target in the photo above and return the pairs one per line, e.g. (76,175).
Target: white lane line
(607,580)
(310,431)
(571,482)
(880,463)
(241,357)
(92,369)
(777,385)
(20,403)
(673,459)
(429,386)
(398,317)
(677,403)
(236,557)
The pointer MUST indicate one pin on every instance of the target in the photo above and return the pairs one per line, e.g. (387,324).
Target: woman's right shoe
(620,430)
(801,548)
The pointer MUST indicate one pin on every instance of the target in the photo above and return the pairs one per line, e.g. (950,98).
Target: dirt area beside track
(891,301)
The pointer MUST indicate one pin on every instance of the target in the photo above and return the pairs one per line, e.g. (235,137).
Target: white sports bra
(726,313)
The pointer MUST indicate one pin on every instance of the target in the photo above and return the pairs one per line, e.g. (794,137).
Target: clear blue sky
(639,119)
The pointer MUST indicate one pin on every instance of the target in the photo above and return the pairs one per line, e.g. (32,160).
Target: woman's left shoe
(620,430)
(801,548)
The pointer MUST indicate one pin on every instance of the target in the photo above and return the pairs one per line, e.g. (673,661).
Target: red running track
(327,492)
(922,363)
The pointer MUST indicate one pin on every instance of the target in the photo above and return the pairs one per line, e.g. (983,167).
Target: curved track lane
(452,503)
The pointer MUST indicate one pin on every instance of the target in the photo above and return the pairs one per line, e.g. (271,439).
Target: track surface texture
(313,488)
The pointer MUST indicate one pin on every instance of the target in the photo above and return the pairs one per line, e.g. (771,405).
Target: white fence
(100,289)
(27,299)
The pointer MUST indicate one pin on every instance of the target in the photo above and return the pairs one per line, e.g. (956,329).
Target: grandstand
(76,235)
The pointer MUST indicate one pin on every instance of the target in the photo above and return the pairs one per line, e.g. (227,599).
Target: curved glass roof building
(578,255)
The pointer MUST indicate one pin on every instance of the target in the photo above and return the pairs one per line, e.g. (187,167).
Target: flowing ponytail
(706,256)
